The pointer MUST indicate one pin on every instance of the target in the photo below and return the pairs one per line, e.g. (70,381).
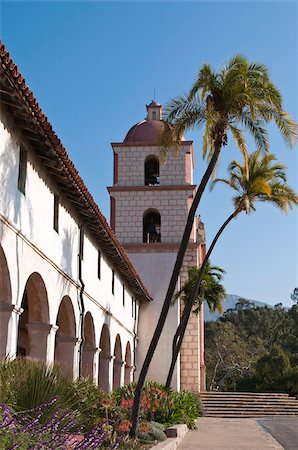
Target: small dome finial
(154,110)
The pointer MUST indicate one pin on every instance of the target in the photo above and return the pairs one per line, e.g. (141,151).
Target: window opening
(151,227)
(123,295)
(113,282)
(152,172)
(56,213)
(81,254)
(22,170)
(99,265)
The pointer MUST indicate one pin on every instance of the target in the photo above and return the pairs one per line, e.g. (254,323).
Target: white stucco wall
(31,244)
(156,270)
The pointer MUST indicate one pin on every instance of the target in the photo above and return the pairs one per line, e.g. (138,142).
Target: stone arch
(34,322)
(128,365)
(117,363)
(65,340)
(151,170)
(104,359)
(151,226)
(5,283)
(89,348)
(5,302)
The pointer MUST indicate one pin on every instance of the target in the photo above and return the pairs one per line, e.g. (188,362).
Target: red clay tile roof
(94,219)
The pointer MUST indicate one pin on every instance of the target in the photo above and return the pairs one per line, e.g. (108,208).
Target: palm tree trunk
(171,289)
(179,335)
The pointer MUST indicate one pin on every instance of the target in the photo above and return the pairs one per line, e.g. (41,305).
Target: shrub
(154,433)
(26,384)
(158,404)
(185,409)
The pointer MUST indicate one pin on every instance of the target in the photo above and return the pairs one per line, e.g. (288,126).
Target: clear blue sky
(94,65)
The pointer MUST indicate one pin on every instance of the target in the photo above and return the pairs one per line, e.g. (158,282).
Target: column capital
(11,308)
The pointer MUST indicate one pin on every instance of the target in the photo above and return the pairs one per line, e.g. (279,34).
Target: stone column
(122,372)
(111,370)
(88,360)
(38,334)
(9,321)
(51,344)
(202,352)
(65,354)
(106,372)
(96,366)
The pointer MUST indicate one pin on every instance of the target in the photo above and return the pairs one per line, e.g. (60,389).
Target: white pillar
(51,344)
(111,372)
(9,321)
(96,366)
(122,372)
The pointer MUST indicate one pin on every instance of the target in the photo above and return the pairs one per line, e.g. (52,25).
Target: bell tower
(150,200)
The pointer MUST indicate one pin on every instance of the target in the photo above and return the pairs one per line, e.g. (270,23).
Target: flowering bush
(25,431)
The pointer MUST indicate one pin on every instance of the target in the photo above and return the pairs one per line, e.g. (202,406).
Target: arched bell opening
(65,340)
(128,365)
(89,348)
(151,226)
(151,171)
(5,302)
(34,326)
(117,365)
(104,359)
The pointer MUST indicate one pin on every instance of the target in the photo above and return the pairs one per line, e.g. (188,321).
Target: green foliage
(185,409)
(158,404)
(211,290)
(154,433)
(239,97)
(259,179)
(27,384)
(253,349)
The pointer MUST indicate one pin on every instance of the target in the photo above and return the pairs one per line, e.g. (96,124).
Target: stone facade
(169,198)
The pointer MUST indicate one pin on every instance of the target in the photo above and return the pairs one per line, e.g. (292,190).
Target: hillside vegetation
(253,348)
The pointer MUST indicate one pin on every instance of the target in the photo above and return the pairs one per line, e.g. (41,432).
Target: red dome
(145,131)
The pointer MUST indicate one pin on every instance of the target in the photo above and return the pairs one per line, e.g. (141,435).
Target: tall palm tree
(265,182)
(239,97)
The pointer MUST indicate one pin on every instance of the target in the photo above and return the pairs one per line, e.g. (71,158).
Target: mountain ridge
(229,303)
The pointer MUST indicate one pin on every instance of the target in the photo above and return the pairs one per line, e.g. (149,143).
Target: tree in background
(239,97)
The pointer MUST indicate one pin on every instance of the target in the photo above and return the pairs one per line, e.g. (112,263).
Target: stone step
(235,404)
(249,394)
(249,416)
(255,403)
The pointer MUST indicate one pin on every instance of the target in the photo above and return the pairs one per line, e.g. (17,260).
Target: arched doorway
(5,302)
(88,347)
(151,226)
(151,171)
(34,326)
(128,366)
(117,363)
(104,359)
(66,336)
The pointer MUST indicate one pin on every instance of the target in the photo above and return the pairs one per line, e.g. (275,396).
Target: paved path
(283,429)
(229,434)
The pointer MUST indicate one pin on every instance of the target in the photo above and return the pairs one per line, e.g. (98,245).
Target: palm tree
(240,96)
(265,182)
(211,290)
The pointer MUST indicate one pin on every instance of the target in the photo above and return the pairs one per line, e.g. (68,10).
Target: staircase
(247,404)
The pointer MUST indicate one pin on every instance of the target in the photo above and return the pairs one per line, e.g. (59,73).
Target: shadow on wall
(67,251)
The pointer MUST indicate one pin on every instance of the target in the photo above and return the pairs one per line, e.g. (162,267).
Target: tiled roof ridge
(20,82)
